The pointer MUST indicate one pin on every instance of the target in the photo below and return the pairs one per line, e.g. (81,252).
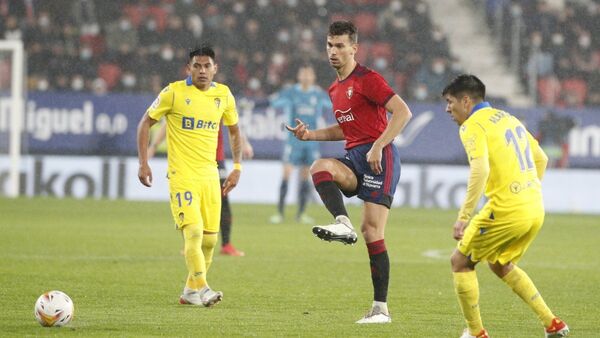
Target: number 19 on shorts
(187,198)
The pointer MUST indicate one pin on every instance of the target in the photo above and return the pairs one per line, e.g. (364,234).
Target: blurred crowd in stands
(141,45)
(558,44)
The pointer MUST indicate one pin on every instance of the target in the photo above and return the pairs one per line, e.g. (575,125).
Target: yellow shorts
(196,201)
(495,239)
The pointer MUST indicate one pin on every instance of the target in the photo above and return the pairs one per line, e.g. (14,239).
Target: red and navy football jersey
(359,105)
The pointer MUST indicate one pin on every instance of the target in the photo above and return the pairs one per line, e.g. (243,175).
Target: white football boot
(341,230)
(210,297)
(190,297)
(376,315)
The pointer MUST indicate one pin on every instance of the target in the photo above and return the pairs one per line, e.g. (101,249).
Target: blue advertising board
(82,124)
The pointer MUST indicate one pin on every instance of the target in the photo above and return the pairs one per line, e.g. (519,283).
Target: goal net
(12,94)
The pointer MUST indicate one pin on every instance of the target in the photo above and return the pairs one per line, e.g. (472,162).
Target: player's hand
(300,130)
(374,159)
(459,229)
(145,174)
(231,181)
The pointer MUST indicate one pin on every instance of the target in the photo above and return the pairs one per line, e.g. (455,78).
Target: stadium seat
(110,73)
(363,52)
(382,49)
(340,17)
(134,13)
(366,24)
(574,92)
(548,89)
(96,42)
(160,15)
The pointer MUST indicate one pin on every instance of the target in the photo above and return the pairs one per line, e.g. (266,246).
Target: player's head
(306,75)
(462,94)
(342,43)
(202,67)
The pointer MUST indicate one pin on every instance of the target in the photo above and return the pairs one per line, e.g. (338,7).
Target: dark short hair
(465,84)
(344,27)
(204,50)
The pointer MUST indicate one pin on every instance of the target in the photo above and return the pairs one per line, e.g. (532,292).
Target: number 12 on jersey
(511,137)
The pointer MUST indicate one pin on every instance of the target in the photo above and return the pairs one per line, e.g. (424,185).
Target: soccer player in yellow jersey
(506,162)
(193,109)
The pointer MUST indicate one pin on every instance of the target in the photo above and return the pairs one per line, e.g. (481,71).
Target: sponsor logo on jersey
(191,123)
(343,116)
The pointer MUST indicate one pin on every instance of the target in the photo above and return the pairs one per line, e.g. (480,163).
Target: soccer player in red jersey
(371,167)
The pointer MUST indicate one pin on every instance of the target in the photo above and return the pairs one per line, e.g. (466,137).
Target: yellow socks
(209,241)
(522,285)
(194,257)
(466,287)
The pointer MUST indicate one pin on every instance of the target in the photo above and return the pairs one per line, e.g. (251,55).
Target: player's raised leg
(466,287)
(373,228)
(329,176)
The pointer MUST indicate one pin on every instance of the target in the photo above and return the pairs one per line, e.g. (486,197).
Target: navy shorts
(373,188)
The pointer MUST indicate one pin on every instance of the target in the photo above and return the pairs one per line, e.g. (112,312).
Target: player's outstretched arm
(235,141)
(301,131)
(143,136)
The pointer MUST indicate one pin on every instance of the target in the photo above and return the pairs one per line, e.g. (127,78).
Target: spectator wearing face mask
(432,78)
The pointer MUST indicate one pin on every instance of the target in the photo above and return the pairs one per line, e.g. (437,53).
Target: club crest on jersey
(187,101)
(349,92)
(218,102)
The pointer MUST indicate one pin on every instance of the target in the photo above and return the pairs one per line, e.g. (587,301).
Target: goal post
(16,97)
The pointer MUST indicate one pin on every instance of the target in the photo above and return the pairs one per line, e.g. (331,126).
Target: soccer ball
(53,308)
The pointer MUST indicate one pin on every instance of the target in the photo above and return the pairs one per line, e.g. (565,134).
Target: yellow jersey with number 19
(513,188)
(193,119)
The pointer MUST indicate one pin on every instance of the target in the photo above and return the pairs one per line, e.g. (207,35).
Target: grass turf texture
(120,263)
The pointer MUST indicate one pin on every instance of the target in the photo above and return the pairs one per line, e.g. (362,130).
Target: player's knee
(371,231)
(209,241)
(320,165)
(460,262)
(501,270)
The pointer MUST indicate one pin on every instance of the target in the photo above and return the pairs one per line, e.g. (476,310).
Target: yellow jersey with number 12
(193,119)
(513,188)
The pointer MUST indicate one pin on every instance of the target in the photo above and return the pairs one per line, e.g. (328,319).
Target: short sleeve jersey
(193,122)
(513,186)
(359,105)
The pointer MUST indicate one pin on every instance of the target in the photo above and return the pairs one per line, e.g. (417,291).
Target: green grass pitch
(120,263)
